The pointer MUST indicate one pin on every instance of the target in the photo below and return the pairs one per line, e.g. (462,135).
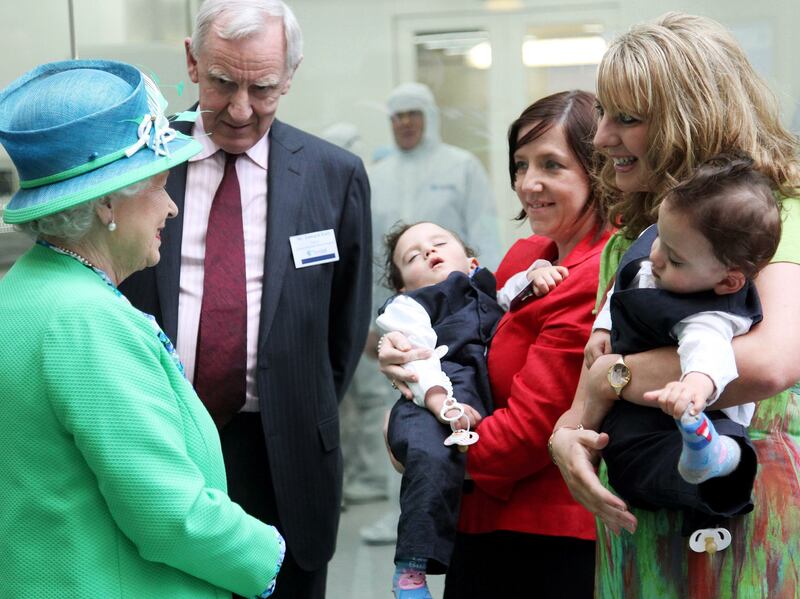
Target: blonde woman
(673,93)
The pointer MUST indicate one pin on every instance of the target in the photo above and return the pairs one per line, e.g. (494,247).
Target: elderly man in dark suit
(265,280)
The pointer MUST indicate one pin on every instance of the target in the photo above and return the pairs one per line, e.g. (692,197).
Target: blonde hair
(691,82)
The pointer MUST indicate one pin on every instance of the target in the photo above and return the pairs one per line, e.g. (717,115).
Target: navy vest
(643,318)
(464,313)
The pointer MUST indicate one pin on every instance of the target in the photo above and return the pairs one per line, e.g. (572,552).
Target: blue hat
(77,130)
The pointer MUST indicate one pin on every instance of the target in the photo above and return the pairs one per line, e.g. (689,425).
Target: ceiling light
(479,56)
(562,52)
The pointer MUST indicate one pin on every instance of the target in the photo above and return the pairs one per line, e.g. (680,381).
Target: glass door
(485,66)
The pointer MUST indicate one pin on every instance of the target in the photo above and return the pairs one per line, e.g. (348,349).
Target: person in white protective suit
(424,179)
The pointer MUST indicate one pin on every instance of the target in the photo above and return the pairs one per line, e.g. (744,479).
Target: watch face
(619,375)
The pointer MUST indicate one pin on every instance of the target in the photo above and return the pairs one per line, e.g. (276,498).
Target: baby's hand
(434,400)
(599,344)
(471,417)
(546,278)
(675,397)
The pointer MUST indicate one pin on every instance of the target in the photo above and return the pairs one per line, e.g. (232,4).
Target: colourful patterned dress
(764,557)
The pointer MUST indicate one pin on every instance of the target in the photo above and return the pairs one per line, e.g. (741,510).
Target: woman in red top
(520,530)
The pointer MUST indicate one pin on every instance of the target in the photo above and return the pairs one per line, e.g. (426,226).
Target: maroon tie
(221,362)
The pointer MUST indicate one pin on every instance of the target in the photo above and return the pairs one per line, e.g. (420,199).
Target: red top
(535,360)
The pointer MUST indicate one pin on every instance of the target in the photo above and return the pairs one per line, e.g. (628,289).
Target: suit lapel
(284,193)
(168,270)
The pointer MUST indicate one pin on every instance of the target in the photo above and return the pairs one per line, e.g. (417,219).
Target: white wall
(33,33)
(346,72)
(350,59)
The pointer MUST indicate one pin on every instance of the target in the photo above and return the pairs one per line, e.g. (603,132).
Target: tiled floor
(360,571)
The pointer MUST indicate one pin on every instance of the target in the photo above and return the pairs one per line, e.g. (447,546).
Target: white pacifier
(462,438)
(709,540)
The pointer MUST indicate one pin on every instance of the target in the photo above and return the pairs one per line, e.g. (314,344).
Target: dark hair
(733,206)
(391,274)
(574,111)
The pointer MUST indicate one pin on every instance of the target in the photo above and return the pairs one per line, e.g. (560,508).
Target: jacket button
(484,308)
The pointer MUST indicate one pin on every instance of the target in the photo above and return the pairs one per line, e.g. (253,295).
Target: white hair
(73,224)
(237,19)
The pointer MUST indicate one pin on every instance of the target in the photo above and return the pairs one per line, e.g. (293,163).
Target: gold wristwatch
(619,375)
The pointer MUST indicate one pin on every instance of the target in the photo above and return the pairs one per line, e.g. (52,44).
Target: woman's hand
(394,350)
(576,453)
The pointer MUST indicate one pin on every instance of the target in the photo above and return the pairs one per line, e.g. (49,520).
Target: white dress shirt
(203,177)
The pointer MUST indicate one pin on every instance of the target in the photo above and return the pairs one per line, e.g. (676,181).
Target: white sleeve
(407,316)
(517,283)
(704,345)
(511,289)
(603,319)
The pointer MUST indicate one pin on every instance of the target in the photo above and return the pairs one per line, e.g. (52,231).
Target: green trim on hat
(29,213)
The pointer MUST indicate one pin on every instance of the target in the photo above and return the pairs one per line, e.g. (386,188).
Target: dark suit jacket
(313,324)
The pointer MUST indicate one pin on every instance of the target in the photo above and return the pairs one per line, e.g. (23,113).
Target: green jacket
(111,473)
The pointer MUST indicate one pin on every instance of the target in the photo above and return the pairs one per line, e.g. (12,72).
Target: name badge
(314,248)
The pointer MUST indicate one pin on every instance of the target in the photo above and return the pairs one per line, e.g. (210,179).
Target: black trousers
(642,459)
(430,493)
(250,485)
(512,565)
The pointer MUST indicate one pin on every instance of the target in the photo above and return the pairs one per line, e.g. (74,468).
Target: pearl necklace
(75,255)
(162,337)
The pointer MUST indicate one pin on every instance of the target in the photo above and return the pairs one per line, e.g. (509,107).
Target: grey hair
(73,224)
(244,18)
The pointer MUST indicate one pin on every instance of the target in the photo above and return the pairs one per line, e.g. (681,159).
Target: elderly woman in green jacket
(112,475)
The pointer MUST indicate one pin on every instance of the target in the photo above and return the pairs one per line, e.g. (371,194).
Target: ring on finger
(394,384)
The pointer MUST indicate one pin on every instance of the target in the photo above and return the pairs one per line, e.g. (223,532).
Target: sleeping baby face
(426,254)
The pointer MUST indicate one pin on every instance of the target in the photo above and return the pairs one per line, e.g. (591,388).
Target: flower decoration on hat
(154,122)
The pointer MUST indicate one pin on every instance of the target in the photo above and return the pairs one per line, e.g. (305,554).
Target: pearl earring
(112,226)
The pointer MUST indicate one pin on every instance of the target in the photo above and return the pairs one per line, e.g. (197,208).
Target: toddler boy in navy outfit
(446,303)
(688,280)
